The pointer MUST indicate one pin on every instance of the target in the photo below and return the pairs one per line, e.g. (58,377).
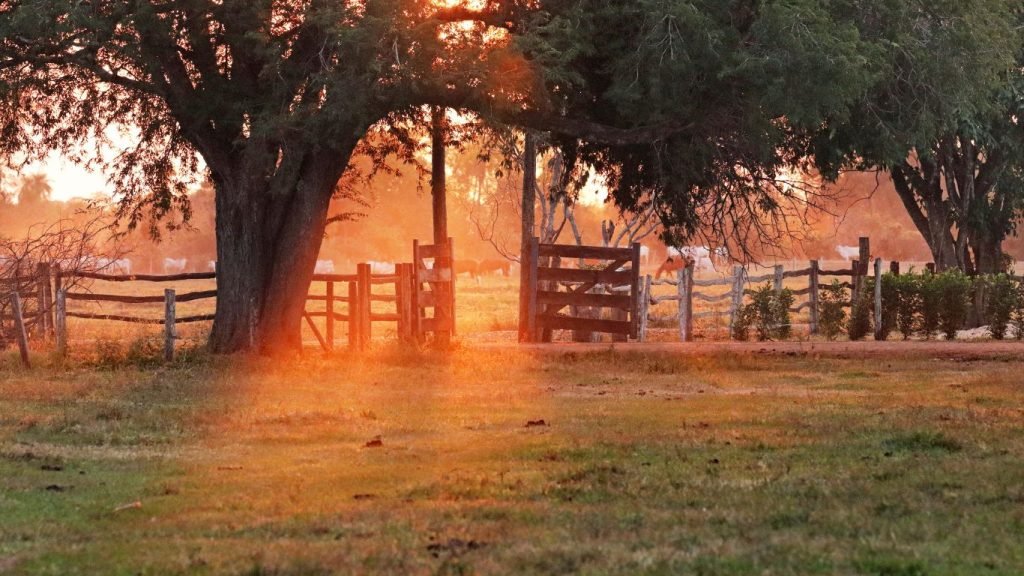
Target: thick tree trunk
(269,233)
(922,197)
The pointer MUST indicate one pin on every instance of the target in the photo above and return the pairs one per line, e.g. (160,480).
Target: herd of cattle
(698,257)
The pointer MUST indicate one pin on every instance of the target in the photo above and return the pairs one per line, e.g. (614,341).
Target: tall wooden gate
(607,284)
(433,288)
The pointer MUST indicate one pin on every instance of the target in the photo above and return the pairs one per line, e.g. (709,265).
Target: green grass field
(424,463)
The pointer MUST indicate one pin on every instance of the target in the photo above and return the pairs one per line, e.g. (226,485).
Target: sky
(68,180)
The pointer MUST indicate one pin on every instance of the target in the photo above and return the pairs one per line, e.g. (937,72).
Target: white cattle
(175,265)
(324,267)
(848,252)
(114,266)
(381,267)
(700,255)
(645,255)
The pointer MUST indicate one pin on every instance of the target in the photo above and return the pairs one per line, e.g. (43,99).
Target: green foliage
(890,303)
(1018,313)
(860,315)
(931,304)
(906,302)
(831,312)
(767,313)
(1002,298)
(954,289)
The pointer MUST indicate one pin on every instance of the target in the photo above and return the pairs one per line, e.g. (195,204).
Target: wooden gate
(608,284)
(433,287)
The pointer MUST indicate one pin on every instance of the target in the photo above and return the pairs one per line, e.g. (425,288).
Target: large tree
(704,101)
(944,121)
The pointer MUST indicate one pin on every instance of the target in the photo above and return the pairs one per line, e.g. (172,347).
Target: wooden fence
(739,284)
(610,285)
(346,298)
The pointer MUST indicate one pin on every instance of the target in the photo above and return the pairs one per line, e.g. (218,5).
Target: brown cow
(467,267)
(495,265)
(674,265)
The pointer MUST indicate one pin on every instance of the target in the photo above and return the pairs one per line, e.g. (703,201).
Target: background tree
(943,120)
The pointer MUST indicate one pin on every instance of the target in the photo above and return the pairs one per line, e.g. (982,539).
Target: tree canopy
(698,106)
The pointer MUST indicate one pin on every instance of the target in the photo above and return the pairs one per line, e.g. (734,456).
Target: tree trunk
(527,230)
(269,232)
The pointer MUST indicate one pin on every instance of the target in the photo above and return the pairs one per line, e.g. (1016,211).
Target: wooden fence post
(353,316)
(878,300)
(814,282)
(61,323)
(531,290)
(645,307)
(42,303)
(738,287)
(864,257)
(780,278)
(330,315)
(365,310)
(169,332)
(685,292)
(19,327)
(451,291)
(855,281)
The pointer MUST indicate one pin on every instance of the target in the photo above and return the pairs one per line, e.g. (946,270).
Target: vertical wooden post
(400,284)
(645,307)
(330,315)
(451,290)
(878,299)
(780,278)
(365,310)
(19,327)
(634,291)
(737,296)
(58,285)
(865,256)
(814,283)
(353,316)
(685,291)
(42,299)
(169,329)
(61,323)
(408,305)
(855,281)
(531,290)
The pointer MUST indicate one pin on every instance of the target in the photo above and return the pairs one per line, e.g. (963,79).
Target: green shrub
(767,313)
(954,289)
(860,315)
(831,315)
(1018,312)
(1002,299)
(907,303)
(931,303)
(890,303)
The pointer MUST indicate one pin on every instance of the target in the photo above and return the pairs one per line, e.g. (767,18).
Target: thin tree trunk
(527,231)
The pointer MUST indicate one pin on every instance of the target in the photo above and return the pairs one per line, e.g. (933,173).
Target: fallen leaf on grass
(375,443)
(535,423)
(58,488)
(129,506)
